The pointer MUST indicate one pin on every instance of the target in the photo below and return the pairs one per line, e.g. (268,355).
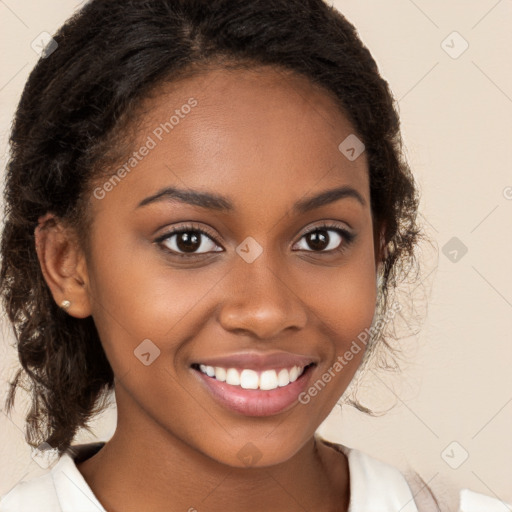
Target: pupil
(187,242)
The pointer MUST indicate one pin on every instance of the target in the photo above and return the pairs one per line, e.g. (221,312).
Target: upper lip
(259,360)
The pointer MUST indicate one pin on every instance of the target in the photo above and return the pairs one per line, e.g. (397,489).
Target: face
(218,333)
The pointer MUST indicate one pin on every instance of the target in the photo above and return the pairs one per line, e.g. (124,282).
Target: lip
(259,361)
(256,402)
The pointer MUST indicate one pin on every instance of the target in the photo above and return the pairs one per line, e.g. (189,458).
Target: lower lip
(256,402)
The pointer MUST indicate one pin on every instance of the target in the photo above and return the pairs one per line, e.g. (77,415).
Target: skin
(264,140)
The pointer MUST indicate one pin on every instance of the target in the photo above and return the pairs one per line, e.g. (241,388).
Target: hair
(79,102)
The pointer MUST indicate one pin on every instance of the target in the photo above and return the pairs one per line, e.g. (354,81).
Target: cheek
(344,300)
(136,297)
(344,307)
(144,312)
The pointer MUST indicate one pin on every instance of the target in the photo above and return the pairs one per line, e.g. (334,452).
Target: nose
(261,299)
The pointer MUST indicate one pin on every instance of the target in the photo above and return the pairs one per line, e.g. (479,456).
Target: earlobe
(62,265)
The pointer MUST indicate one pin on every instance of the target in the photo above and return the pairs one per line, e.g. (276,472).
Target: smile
(252,379)
(255,387)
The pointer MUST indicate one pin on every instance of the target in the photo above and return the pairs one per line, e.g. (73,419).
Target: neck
(142,455)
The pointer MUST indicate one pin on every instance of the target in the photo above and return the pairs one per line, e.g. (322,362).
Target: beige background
(456,115)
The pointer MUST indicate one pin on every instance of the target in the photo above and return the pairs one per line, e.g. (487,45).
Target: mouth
(253,391)
(247,378)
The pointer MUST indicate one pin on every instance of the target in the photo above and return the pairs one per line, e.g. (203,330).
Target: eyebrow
(221,203)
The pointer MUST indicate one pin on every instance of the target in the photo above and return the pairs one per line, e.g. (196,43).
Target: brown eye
(327,238)
(188,240)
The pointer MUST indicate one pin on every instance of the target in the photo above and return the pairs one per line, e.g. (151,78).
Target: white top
(374,487)
(475,502)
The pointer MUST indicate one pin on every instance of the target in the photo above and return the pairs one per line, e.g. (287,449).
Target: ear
(63,265)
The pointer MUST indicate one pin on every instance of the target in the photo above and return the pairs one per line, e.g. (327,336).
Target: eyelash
(327,226)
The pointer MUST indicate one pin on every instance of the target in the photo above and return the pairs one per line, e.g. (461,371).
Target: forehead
(250,133)
(255,101)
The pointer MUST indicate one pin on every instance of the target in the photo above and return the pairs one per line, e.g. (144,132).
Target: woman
(207,206)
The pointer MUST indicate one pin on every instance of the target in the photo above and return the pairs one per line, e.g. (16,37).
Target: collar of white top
(375,485)
(73,492)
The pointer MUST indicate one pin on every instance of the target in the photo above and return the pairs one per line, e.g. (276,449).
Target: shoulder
(375,485)
(35,494)
(61,488)
(471,501)
(379,487)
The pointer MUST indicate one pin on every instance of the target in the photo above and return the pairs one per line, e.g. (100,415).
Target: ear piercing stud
(65,305)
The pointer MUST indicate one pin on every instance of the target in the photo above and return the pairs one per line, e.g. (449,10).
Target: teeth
(250,379)
(268,380)
(283,378)
(209,370)
(232,377)
(220,374)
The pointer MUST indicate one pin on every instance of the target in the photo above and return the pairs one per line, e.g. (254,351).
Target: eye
(319,239)
(192,240)
(188,240)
